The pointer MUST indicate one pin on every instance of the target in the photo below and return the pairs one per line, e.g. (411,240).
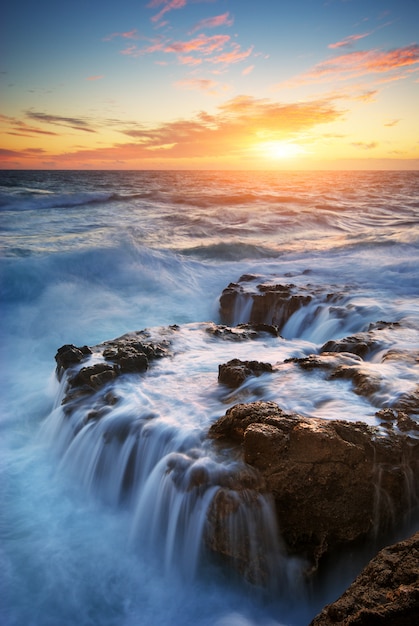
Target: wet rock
(94,376)
(386,592)
(69,355)
(392,418)
(131,353)
(333,482)
(235,372)
(362,344)
(265,303)
(241,332)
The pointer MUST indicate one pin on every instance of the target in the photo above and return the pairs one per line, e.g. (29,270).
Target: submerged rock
(386,592)
(333,482)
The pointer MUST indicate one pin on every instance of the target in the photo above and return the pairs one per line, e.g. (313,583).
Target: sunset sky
(210,84)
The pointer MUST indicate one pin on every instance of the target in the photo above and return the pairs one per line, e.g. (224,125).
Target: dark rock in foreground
(386,592)
(333,482)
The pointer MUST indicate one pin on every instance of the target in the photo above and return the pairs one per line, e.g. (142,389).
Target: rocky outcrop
(264,302)
(333,482)
(89,369)
(386,592)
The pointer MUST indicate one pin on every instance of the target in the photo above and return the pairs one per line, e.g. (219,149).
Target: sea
(87,256)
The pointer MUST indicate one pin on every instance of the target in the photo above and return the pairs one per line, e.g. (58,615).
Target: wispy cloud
(247,70)
(202,43)
(19,128)
(391,123)
(131,34)
(211,87)
(236,55)
(76,123)
(365,145)
(355,64)
(97,77)
(348,42)
(213,22)
(214,49)
(168,5)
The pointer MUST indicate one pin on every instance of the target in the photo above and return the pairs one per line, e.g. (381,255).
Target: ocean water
(89,256)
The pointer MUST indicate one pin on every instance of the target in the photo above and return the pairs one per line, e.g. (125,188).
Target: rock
(69,355)
(94,376)
(235,372)
(362,344)
(131,353)
(386,592)
(241,332)
(333,482)
(265,303)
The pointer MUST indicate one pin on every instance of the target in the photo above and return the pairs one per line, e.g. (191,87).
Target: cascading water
(184,498)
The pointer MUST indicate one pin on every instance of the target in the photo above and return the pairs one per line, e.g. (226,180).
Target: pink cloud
(98,77)
(169,5)
(214,22)
(364,62)
(235,56)
(200,84)
(202,43)
(189,60)
(348,41)
(248,70)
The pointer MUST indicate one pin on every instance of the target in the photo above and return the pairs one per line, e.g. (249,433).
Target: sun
(279,149)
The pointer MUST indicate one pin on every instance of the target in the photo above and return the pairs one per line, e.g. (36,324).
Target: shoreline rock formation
(334,483)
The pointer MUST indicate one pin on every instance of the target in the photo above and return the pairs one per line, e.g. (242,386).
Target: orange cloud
(98,77)
(213,22)
(229,135)
(348,41)
(239,123)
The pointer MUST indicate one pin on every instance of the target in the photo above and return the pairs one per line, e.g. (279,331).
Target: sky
(209,84)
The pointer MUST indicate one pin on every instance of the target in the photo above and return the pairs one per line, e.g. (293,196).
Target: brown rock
(235,372)
(333,482)
(386,592)
(266,303)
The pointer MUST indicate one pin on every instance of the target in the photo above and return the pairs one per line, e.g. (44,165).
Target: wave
(231,251)
(35,199)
